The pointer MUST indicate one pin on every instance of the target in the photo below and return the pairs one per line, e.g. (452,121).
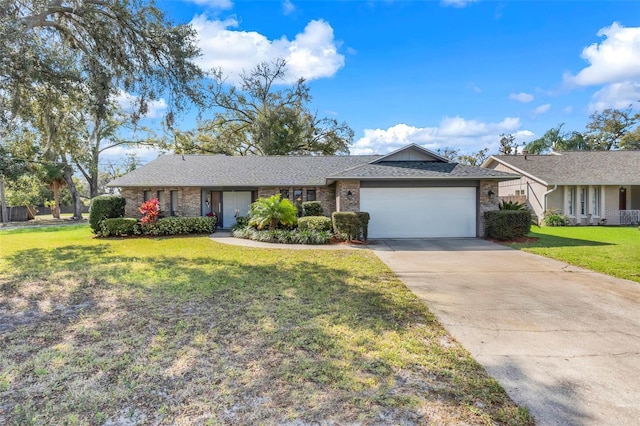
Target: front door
(623,199)
(234,204)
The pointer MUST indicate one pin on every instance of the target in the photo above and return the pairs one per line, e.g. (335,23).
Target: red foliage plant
(150,211)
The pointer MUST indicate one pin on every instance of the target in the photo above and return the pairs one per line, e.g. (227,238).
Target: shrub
(507,224)
(119,227)
(283,236)
(351,225)
(553,218)
(105,207)
(512,205)
(272,211)
(150,211)
(315,223)
(312,208)
(181,225)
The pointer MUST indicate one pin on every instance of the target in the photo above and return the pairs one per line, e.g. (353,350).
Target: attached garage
(429,212)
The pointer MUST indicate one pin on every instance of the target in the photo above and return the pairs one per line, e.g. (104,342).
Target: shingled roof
(419,170)
(576,167)
(239,171)
(254,171)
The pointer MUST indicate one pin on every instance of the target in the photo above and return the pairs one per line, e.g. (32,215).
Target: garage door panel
(420,212)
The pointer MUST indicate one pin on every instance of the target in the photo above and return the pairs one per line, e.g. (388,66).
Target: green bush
(119,227)
(271,212)
(105,207)
(315,223)
(553,218)
(312,208)
(350,225)
(283,236)
(512,205)
(181,225)
(507,224)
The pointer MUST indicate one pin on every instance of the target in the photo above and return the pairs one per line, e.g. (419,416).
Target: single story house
(586,186)
(411,192)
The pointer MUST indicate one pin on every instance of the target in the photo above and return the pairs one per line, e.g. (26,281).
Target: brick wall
(343,203)
(188,200)
(486,202)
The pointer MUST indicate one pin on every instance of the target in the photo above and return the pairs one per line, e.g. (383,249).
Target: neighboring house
(411,192)
(586,186)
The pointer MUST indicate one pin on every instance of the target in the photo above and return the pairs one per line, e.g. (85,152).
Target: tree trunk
(55,211)
(3,202)
(77,202)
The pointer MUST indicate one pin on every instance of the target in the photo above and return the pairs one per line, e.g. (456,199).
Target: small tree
(272,211)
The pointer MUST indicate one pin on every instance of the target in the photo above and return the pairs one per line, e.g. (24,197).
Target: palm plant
(272,211)
(512,205)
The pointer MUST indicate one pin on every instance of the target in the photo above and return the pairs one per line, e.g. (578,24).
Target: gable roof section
(412,152)
(576,167)
(238,171)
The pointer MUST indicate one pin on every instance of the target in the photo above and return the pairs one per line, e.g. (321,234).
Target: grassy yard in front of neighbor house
(187,330)
(611,250)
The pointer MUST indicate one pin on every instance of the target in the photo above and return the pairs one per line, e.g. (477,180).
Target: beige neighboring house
(589,187)
(411,192)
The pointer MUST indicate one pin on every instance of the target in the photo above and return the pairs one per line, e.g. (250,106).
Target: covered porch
(602,204)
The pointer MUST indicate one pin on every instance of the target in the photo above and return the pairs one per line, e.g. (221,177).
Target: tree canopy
(255,118)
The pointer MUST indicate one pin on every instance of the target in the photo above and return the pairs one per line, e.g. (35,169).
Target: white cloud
(614,60)
(287,7)
(568,109)
(457,3)
(155,108)
(541,109)
(453,132)
(215,4)
(311,54)
(616,95)
(521,97)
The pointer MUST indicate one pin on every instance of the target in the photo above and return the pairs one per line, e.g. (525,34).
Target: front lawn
(187,330)
(611,250)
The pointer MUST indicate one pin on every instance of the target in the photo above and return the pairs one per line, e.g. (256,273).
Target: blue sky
(438,73)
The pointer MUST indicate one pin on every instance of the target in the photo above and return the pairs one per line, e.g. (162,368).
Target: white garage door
(420,212)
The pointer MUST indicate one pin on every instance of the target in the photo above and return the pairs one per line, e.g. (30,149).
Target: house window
(583,201)
(311,194)
(297,195)
(161,200)
(174,202)
(571,201)
(284,193)
(147,195)
(596,201)
(520,192)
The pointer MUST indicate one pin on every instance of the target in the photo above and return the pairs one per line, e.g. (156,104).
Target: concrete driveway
(561,340)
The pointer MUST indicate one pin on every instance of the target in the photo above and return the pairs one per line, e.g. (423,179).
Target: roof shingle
(579,167)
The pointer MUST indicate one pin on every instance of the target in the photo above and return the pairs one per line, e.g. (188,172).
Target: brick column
(486,202)
(343,203)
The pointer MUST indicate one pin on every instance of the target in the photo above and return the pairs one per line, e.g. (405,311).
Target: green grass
(187,330)
(611,250)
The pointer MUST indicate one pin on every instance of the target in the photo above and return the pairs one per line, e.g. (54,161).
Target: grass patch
(186,330)
(611,250)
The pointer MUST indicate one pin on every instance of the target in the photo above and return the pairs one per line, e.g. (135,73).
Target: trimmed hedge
(105,207)
(312,208)
(118,227)
(121,227)
(507,224)
(283,236)
(351,225)
(315,223)
(181,225)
